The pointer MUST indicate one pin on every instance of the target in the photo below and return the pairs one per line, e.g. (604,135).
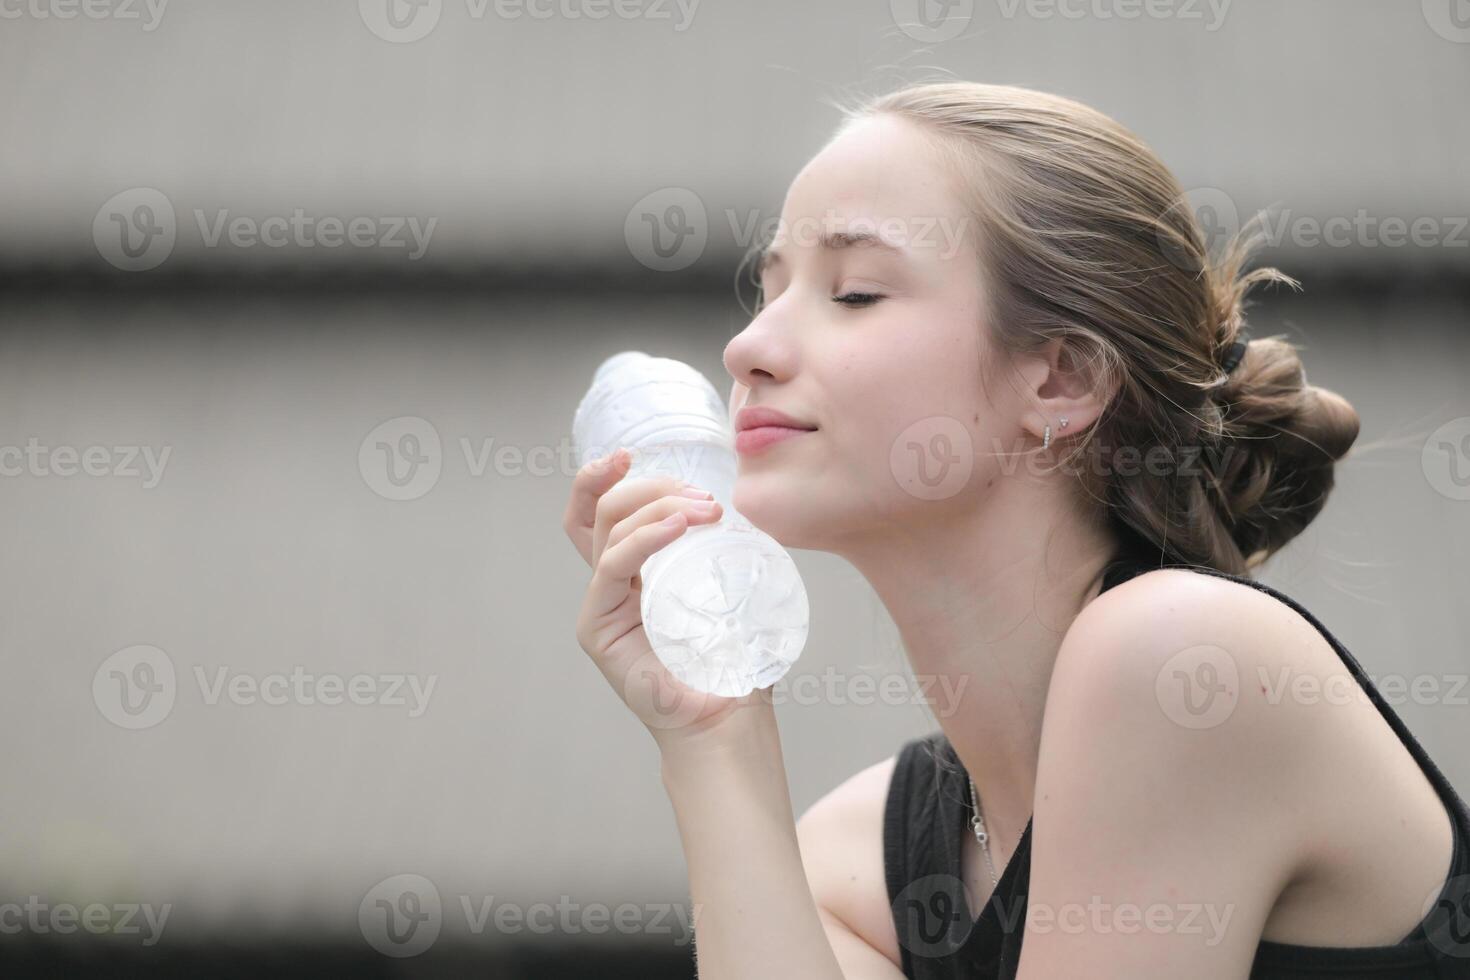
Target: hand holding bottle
(616,525)
(724,606)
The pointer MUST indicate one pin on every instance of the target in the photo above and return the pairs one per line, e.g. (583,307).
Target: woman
(1001,284)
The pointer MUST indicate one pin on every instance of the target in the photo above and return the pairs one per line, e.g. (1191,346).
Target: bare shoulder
(1262,735)
(1197,670)
(1219,639)
(841,840)
(1154,740)
(1200,646)
(1212,655)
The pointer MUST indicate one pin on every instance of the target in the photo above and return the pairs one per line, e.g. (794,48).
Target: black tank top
(928,810)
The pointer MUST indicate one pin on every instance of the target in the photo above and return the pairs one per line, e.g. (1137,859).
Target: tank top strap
(923,821)
(1126,566)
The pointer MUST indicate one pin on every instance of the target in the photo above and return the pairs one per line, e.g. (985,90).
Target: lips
(758,428)
(758,416)
(748,441)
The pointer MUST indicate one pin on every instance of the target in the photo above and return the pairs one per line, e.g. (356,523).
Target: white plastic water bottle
(723,605)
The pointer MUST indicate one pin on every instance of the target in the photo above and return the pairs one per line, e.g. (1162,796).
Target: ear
(1061,384)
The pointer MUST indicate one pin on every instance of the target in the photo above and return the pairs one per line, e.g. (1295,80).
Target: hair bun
(1289,435)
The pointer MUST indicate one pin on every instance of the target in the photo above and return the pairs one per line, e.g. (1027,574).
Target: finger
(624,499)
(698,506)
(613,576)
(593,480)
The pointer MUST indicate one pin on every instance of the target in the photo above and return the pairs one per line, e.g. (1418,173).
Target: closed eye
(857,299)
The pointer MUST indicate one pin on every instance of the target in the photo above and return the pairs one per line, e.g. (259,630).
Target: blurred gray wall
(530,139)
(265,546)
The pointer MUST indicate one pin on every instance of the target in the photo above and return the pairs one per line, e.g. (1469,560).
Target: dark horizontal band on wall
(706,278)
(549,959)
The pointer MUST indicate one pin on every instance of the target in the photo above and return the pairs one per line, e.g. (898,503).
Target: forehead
(882,184)
(877,167)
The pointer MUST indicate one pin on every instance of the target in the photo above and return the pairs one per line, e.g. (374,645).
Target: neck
(981,601)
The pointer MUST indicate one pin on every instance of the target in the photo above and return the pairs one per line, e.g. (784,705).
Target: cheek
(912,433)
(930,377)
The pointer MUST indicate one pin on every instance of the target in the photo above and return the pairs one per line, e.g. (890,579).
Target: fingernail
(696,493)
(705,506)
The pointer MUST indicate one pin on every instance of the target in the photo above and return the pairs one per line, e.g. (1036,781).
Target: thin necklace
(977,824)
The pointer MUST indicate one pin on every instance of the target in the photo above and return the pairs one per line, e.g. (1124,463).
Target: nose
(761,354)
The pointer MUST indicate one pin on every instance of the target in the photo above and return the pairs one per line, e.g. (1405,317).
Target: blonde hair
(1087,237)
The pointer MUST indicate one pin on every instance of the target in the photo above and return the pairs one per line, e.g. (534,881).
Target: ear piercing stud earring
(1046,439)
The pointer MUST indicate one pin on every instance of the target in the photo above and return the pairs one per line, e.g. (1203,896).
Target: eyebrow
(832,240)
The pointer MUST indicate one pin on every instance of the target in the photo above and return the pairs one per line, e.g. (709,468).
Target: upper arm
(841,840)
(1163,816)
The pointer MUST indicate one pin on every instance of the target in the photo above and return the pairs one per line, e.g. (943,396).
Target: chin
(778,507)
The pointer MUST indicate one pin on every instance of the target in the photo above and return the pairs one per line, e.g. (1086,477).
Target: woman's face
(880,348)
